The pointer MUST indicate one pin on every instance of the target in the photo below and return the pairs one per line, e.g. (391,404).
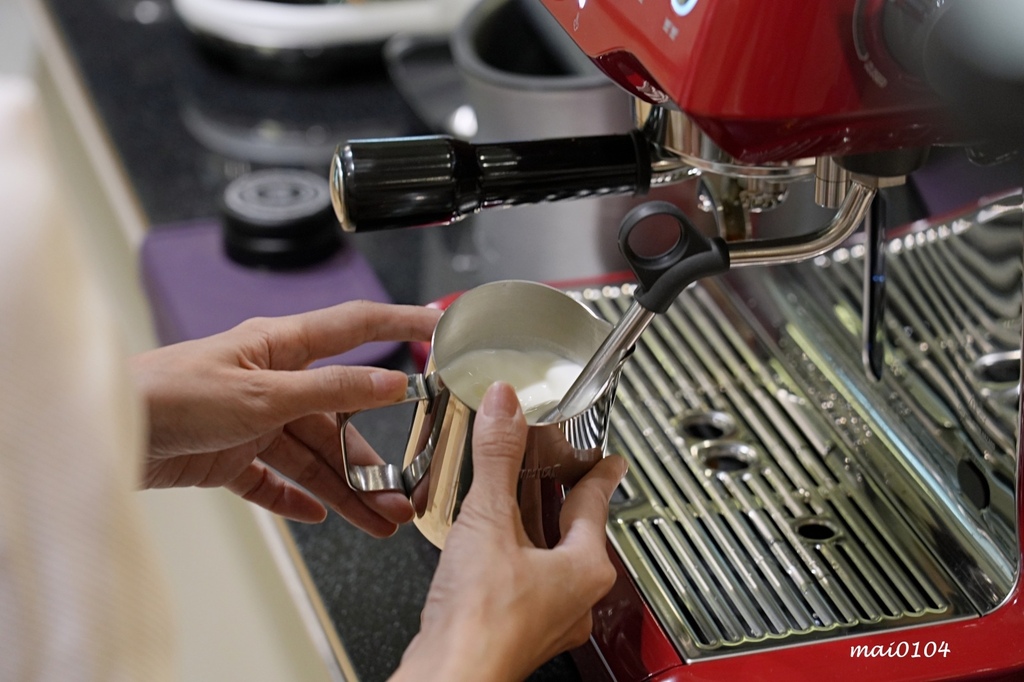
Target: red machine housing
(766,81)
(776,81)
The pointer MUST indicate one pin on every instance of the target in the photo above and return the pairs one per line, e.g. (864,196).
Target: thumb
(499,440)
(585,511)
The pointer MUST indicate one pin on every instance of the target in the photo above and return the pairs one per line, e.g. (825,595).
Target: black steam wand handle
(661,278)
(418,181)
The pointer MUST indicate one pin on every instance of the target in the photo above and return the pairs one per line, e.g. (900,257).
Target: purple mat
(195,290)
(951,184)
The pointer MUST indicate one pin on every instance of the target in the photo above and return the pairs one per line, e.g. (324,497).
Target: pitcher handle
(382,477)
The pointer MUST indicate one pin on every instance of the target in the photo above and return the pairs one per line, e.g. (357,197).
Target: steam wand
(873,302)
(661,279)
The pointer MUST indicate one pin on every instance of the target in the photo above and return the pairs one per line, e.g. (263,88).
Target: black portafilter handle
(384,184)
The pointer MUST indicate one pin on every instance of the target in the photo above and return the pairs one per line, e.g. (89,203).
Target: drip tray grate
(744,520)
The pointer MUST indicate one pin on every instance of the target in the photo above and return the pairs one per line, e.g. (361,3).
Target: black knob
(418,181)
(279,219)
(971,53)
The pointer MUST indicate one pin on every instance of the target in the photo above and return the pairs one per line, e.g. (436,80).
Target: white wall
(16,53)
(237,618)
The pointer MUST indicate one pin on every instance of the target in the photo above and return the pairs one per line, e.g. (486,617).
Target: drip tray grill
(744,520)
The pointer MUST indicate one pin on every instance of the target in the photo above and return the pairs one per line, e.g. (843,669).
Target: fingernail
(500,401)
(388,384)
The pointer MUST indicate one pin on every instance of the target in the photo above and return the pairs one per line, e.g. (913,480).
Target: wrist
(456,655)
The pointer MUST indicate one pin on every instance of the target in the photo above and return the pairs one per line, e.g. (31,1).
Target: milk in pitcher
(540,377)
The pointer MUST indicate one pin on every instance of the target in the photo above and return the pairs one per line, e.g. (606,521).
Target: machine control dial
(684,7)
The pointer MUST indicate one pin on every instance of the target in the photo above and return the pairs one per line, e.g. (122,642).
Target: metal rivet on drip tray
(707,425)
(998,376)
(725,457)
(816,529)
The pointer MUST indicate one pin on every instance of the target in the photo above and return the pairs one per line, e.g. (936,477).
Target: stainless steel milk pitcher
(513,315)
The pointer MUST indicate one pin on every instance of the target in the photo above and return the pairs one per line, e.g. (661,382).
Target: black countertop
(183,125)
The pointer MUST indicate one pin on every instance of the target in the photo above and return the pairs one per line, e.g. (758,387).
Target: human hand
(239,408)
(498,606)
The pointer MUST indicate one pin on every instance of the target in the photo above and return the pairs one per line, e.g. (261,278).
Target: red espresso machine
(824,442)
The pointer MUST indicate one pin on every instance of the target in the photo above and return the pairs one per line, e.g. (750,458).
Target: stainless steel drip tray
(776,495)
